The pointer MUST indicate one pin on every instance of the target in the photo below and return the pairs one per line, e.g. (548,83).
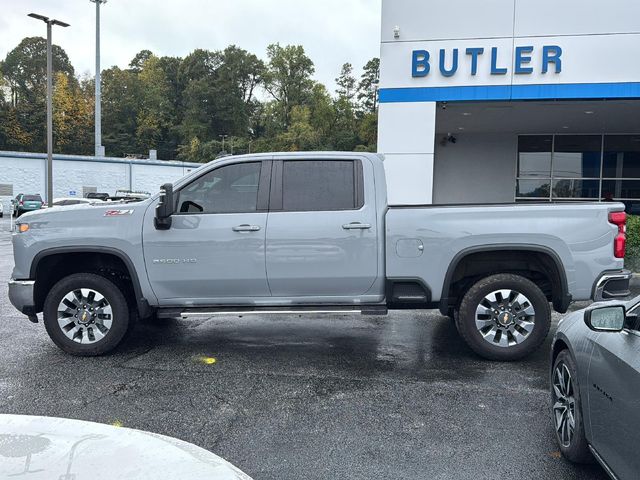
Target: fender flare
(560,304)
(142,304)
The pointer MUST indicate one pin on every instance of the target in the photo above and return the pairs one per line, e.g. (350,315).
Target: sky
(332,31)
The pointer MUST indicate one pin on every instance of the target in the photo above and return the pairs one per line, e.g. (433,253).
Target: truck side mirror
(165,208)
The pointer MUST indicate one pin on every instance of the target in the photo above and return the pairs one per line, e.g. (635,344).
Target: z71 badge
(117,213)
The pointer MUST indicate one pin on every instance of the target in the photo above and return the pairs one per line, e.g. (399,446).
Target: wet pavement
(313,397)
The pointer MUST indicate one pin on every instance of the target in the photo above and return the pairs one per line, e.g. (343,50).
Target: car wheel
(504,317)
(86,314)
(566,408)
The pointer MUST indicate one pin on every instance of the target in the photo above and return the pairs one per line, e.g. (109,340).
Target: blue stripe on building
(511,92)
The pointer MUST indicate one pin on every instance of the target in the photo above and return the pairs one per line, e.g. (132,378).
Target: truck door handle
(356,226)
(246,228)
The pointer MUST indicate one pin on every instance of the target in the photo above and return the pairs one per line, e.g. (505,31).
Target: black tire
(466,318)
(577,450)
(120,314)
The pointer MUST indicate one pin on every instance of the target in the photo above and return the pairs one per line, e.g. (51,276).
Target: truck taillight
(619,219)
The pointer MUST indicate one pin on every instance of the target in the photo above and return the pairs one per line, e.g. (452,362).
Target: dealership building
(510,100)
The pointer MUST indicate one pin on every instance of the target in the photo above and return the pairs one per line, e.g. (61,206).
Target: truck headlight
(23,227)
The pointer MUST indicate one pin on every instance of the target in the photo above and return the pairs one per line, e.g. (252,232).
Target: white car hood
(56,448)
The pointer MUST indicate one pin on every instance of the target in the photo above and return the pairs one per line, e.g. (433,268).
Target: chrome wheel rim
(505,318)
(564,405)
(85,316)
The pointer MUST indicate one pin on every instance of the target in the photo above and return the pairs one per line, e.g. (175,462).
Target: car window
(314,185)
(32,198)
(228,189)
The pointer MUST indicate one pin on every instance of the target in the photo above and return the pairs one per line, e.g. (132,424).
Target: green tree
(137,63)
(300,135)
(212,99)
(25,72)
(346,83)
(121,94)
(368,86)
(288,78)
(155,110)
(72,116)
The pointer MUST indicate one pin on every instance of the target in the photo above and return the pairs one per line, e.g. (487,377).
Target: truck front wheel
(504,317)
(86,314)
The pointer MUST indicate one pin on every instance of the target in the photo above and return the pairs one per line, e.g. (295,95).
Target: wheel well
(558,347)
(539,267)
(52,268)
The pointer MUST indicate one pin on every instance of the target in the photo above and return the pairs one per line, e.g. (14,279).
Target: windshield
(32,198)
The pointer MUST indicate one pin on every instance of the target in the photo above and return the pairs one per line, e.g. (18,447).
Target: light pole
(98,106)
(50,23)
(223,137)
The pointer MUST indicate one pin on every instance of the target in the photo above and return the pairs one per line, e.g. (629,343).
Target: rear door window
(321,185)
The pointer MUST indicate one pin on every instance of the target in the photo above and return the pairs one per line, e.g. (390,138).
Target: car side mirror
(165,208)
(610,318)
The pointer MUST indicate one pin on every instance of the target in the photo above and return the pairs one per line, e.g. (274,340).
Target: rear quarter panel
(580,235)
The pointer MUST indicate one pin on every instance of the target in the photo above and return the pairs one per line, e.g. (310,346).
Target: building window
(534,167)
(579,167)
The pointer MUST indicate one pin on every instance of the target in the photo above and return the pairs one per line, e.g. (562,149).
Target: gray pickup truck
(311,232)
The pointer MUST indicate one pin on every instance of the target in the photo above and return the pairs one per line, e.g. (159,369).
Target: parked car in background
(130,195)
(300,232)
(59,202)
(26,203)
(97,196)
(595,387)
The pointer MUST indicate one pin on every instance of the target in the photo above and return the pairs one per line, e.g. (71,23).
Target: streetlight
(223,137)
(50,23)
(99,151)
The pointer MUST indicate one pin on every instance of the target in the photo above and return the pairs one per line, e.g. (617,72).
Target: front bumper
(611,285)
(21,296)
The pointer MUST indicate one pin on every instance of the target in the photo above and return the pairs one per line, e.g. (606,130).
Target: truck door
(215,249)
(614,401)
(322,233)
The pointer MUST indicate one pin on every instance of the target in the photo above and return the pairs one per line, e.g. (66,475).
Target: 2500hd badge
(173,261)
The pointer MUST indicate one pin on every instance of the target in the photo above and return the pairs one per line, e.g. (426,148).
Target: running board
(270,310)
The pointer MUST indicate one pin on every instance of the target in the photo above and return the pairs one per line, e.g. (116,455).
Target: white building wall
(72,176)
(478,168)
(26,172)
(408,151)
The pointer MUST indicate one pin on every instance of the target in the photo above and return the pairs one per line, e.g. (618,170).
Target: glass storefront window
(533,188)
(579,167)
(576,188)
(621,189)
(577,156)
(621,157)
(534,155)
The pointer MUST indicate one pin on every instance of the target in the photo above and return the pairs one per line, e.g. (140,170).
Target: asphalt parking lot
(343,397)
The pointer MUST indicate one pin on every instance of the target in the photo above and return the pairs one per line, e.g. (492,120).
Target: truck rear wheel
(504,317)
(86,314)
